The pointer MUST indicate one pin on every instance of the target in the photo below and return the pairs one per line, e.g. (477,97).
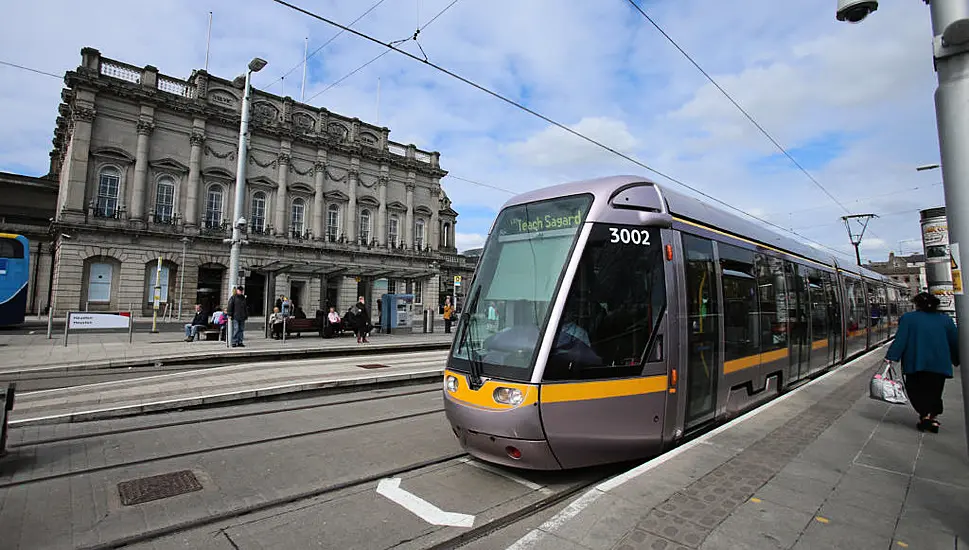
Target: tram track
(217,448)
(270,504)
(195,421)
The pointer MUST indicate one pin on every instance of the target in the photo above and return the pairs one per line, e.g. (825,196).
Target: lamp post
(181,277)
(950,45)
(238,222)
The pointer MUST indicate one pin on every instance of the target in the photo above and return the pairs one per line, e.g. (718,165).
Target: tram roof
(696,210)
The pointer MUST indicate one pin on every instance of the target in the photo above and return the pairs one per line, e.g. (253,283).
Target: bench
(298,326)
(211,332)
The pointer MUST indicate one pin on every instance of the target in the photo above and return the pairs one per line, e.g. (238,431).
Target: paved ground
(825,468)
(223,384)
(28,353)
(290,474)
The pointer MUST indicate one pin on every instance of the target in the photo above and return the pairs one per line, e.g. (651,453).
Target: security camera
(241,222)
(853,11)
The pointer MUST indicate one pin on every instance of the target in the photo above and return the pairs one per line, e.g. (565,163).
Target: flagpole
(208,40)
(302,88)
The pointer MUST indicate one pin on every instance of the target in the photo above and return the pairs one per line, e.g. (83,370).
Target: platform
(822,467)
(222,385)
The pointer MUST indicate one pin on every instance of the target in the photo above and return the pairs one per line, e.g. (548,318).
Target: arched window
(419,234)
(297,215)
(164,200)
(446,236)
(258,213)
(109,187)
(393,231)
(365,226)
(332,222)
(213,207)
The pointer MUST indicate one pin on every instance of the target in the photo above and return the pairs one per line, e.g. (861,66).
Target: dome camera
(853,11)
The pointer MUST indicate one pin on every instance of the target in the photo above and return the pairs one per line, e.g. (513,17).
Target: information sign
(97,321)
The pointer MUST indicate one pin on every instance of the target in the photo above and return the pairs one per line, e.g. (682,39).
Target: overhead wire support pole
(856,239)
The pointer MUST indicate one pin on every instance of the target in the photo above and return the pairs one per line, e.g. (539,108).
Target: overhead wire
(478,183)
(383,53)
(38,71)
(325,44)
(545,118)
(891,194)
(738,106)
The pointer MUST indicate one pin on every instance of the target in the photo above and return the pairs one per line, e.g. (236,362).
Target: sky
(852,104)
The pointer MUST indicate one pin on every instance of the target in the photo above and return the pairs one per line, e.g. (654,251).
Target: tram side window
(741,330)
(613,304)
(11,248)
(819,305)
(773,302)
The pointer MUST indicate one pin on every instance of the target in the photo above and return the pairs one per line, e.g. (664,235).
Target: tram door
(703,330)
(799,321)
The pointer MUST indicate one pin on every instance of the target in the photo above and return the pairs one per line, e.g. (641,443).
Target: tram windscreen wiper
(467,319)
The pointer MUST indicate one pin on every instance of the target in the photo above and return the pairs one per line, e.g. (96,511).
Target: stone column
(435,219)
(350,218)
(318,206)
(454,234)
(409,223)
(72,194)
(197,140)
(382,211)
(282,203)
(138,195)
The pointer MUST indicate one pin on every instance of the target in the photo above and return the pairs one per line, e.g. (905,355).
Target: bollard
(8,398)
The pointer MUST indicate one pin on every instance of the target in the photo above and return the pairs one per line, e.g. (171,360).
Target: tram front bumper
(531,455)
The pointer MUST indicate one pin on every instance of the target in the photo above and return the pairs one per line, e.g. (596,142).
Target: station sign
(97,321)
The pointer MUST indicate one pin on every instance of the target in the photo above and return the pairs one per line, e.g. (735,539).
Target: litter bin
(428,320)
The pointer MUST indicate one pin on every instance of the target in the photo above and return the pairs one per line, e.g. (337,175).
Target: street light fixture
(925,167)
(950,45)
(238,221)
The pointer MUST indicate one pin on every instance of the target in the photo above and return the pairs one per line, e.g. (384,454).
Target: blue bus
(14,267)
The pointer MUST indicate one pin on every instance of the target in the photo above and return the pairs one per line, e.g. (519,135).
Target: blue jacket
(925,342)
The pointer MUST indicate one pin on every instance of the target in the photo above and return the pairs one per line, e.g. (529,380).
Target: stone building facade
(146,165)
(906,270)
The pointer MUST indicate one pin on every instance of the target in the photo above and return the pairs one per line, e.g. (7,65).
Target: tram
(608,319)
(14,267)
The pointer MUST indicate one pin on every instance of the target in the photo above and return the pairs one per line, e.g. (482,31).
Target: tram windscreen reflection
(516,281)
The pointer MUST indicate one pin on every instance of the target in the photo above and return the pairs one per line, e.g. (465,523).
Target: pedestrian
(238,314)
(199,322)
(361,316)
(448,313)
(926,344)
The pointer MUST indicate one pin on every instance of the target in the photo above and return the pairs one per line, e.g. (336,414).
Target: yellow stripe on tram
(581,391)
(484,396)
(742,363)
(820,344)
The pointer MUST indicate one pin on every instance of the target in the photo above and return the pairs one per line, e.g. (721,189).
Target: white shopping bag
(887,386)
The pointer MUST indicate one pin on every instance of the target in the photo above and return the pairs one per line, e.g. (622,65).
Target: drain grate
(373,366)
(146,489)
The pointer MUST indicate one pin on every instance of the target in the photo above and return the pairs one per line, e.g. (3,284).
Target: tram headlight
(509,396)
(451,383)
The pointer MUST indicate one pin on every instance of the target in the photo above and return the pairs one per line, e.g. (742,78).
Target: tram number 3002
(626,236)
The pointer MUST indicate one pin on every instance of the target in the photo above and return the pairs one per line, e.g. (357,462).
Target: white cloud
(555,147)
(469,240)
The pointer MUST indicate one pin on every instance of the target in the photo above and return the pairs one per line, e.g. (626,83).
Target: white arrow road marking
(390,488)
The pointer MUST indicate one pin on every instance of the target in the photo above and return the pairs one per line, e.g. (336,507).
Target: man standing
(238,313)
(361,315)
(448,313)
(200,321)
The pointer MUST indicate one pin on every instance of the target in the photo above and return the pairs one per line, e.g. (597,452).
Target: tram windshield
(515,282)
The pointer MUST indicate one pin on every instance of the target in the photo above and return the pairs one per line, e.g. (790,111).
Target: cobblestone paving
(685,519)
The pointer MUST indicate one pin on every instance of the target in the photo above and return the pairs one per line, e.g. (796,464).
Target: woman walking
(927,346)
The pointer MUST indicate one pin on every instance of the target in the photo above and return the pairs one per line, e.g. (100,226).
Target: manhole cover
(373,366)
(151,488)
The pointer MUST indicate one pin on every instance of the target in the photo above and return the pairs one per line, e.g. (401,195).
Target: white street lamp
(925,167)
(238,222)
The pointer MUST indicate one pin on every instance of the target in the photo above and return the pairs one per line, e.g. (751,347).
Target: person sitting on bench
(276,324)
(199,322)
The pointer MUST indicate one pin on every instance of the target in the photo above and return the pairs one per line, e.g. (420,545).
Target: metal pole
(949,19)
(131,327)
(157,298)
(67,326)
(181,278)
(857,254)
(240,196)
